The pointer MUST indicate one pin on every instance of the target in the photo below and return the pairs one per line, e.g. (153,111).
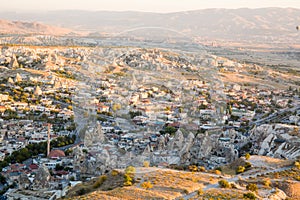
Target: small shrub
(240,169)
(130,170)
(85,151)
(100,181)
(297,164)
(233,185)
(146,164)
(218,172)
(247,165)
(127,180)
(267,182)
(146,185)
(224,184)
(193,168)
(200,192)
(83,191)
(276,191)
(276,175)
(202,169)
(218,168)
(247,156)
(114,172)
(249,195)
(252,187)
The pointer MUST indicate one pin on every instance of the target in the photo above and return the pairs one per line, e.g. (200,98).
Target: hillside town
(70,114)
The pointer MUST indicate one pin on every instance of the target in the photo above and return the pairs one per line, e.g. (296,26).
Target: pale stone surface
(276,140)
(18,78)
(42,178)
(24,182)
(14,62)
(94,136)
(38,91)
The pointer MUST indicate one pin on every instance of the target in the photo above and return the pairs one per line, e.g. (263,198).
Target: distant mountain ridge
(20,27)
(263,24)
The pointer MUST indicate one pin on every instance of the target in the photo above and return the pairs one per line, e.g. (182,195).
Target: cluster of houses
(137,113)
(50,175)
(246,102)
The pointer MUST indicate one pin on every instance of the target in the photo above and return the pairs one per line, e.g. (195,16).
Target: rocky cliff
(276,140)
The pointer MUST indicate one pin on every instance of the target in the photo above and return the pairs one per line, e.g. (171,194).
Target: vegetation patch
(102,183)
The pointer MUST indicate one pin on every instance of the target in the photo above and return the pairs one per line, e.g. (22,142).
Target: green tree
(133,114)
(180,110)
(2,179)
(249,195)
(170,130)
(58,167)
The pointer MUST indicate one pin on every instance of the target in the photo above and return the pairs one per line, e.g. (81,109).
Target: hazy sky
(140,5)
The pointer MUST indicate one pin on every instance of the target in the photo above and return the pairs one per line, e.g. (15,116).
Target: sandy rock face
(277,194)
(291,189)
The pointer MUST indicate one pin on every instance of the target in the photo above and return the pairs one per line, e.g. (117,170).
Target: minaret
(48,141)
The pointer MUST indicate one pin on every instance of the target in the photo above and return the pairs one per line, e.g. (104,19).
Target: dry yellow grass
(232,194)
(167,184)
(264,161)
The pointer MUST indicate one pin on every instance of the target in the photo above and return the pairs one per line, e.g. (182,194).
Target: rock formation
(186,149)
(94,136)
(38,91)
(275,140)
(18,78)
(23,182)
(42,178)
(10,81)
(14,62)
